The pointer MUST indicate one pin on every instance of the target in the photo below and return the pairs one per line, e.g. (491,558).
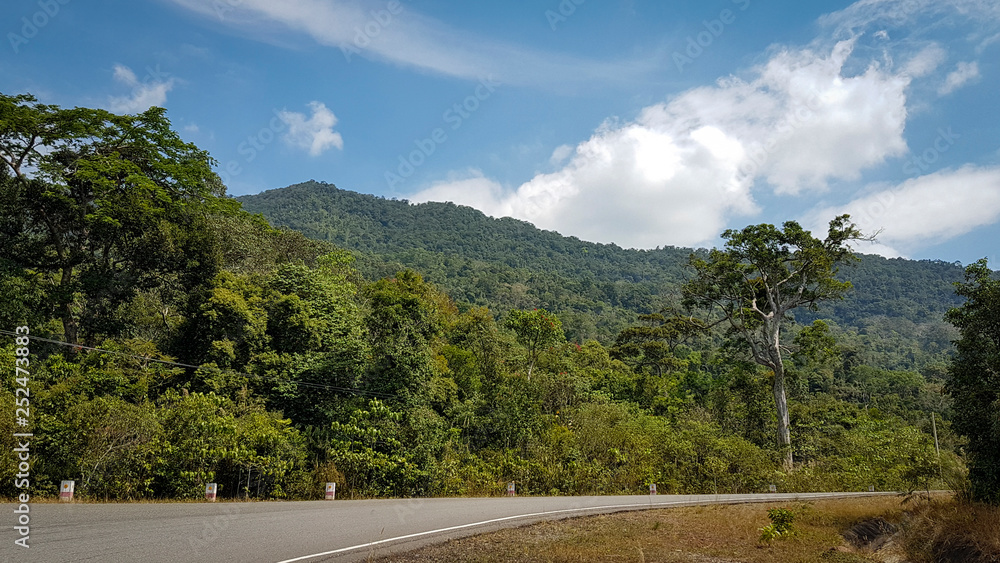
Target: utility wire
(178,364)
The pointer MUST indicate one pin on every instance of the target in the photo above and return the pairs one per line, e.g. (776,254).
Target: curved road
(287,532)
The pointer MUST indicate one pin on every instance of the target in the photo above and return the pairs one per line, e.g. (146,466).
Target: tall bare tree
(761,275)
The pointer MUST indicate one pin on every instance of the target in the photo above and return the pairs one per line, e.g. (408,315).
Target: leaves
(536,330)
(762,275)
(975,377)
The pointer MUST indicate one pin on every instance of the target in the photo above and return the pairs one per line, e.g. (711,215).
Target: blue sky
(639,122)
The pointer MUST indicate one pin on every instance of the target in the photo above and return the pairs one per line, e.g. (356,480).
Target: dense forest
(895,315)
(173,339)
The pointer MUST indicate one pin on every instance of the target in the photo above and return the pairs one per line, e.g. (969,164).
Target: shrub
(780,526)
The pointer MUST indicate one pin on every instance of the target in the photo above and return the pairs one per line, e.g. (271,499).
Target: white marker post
(773,489)
(510,489)
(66,491)
(331,491)
(652,488)
(871,488)
(210,490)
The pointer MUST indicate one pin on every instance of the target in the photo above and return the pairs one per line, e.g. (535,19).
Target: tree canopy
(104,205)
(975,378)
(761,275)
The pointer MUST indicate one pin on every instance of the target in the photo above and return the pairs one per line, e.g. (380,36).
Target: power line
(178,364)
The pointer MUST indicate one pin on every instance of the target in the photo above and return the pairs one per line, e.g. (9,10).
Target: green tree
(654,343)
(761,276)
(226,324)
(369,449)
(814,358)
(104,206)
(404,321)
(975,378)
(536,330)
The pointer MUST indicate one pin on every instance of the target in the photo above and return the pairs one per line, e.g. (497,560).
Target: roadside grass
(953,532)
(709,534)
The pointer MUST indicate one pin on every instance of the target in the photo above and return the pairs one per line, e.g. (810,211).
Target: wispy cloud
(964,74)
(145,94)
(405,37)
(866,15)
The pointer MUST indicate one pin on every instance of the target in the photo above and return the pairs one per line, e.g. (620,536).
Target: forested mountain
(598,289)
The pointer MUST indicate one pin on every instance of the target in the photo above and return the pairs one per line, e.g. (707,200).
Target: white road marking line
(763,498)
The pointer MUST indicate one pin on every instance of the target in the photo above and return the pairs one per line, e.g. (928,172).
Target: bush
(780,526)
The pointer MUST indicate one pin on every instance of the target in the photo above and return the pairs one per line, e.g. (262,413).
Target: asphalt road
(286,532)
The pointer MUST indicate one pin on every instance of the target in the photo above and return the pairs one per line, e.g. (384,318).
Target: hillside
(597,288)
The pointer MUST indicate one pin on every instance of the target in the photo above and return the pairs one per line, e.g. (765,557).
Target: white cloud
(469,188)
(867,14)
(315,133)
(560,154)
(965,73)
(927,209)
(987,42)
(145,94)
(367,28)
(682,168)
(926,61)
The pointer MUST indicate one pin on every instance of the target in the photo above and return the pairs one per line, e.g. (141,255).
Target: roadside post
(210,490)
(331,491)
(66,491)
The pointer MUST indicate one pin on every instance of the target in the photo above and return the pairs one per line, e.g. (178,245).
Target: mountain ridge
(507,263)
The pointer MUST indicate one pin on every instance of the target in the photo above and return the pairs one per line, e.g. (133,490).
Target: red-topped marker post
(66,491)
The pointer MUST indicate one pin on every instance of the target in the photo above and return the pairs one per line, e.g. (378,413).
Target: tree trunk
(781,404)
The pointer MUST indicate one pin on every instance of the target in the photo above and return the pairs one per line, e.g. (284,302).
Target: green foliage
(780,526)
(596,289)
(110,206)
(761,276)
(654,344)
(369,451)
(536,330)
(975,378)
(405,317)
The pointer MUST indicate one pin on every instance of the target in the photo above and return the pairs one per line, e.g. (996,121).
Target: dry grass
(952,531)
(712,534)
